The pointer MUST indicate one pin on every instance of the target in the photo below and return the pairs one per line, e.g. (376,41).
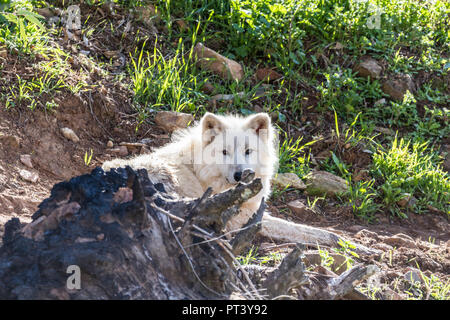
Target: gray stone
(211,60)
(368,68)
(29,176)
(26,160)
(288,179)
(400,240)
(397,86)
(299,208)
(413,275)
(171,121)
(70,134)
(121,151)
(322,182)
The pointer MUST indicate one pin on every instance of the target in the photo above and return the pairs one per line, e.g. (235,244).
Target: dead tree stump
(127,238)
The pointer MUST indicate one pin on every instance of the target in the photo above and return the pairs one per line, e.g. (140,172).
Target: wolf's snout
(247,175)
(237,176)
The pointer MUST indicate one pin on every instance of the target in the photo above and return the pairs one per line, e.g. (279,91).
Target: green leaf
(242,51)
(11,17)
(22,29)
(336,122)
(4,4)
(33,18)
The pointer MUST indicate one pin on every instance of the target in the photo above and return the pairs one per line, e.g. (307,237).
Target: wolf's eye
(225,152)
(248,151)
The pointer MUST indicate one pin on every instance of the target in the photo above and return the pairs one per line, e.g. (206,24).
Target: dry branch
(130,239)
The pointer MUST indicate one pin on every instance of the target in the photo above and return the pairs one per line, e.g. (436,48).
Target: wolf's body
(195,158)
(213,154)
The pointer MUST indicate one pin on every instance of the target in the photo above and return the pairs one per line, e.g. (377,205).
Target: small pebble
(70,134)
(29,176)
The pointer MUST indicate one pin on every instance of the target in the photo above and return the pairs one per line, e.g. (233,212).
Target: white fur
(194,160)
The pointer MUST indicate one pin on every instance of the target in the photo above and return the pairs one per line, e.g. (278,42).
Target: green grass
(22,29)
(411,168)
(293,156)
(23,33)
(433,288)
(169,83)
(278,29)
(253,257)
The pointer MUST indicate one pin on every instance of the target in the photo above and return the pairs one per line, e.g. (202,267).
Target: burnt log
(118,235)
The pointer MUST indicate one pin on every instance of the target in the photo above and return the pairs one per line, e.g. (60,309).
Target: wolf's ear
(260,123)
(211,127)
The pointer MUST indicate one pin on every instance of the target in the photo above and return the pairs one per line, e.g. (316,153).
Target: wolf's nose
(237,175)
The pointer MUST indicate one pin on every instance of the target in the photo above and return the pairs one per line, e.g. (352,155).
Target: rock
(267,75)
(209,59)
(408,201)
(299,208)
(313,258)
(10,141)
(207,88)
(146,141)
(288,179)
(182,25)
(396,88)
(322,155)
(368,68)
(3,53)
(404,236)
(364,233)
(400,240)
(28,176)
(133,147)
(171,121)
(228,97)
(413,275)
(147,14)
(70,134)
(361,175)
(338,46)
(111,53)
(121,151)
(109,144)
(45,12)
(382,246)
(322,182)
(446,164)
(26,160)
(385,130)
(356,228)
(380,102)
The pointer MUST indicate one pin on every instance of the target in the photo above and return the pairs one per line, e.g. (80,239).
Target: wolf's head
(232,144)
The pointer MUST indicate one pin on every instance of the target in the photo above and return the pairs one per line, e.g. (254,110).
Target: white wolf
(214,153)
